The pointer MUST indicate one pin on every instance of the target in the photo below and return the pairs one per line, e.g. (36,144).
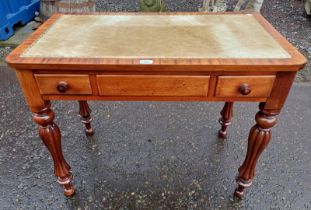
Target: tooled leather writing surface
(156,36)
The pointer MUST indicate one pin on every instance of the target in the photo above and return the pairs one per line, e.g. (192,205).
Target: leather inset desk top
(156,36)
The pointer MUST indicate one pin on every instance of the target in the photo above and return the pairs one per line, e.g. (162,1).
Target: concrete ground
(153,155)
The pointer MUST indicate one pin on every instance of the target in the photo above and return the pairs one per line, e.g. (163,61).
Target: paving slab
(153,155)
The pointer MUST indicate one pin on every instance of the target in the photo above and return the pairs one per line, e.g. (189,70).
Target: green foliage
(151,5)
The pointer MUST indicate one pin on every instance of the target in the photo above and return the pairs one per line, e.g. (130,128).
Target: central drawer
(152,85)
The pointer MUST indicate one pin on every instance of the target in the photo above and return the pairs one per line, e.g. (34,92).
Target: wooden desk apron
(163,57)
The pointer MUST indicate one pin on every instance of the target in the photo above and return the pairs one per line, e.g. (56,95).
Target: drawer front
(244,86)
(64,84)
(152,85)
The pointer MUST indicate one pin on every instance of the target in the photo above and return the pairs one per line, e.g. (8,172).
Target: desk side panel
(30,89)
(280,91)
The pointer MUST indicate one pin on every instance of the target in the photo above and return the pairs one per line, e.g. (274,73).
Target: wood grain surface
(229,86)
(77,84)
(147,85)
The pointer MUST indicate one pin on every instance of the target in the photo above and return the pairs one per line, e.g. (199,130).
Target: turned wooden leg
(86,117)
(51,137)
(225,120)
(258,140)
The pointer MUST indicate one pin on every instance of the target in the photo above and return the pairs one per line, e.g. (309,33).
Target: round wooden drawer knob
(62,86)
(245,89)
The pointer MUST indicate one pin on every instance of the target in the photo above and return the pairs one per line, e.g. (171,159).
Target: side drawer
(152,85)
(244,86)
(64,84)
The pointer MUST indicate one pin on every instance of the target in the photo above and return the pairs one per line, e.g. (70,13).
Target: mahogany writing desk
(157,57)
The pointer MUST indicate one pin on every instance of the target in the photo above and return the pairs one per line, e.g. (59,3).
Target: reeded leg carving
(258,140)
(225,120)
(51,137)
(85,113)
